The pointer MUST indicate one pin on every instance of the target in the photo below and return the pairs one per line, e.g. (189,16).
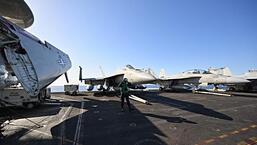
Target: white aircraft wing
(178,80)
(113,80)
(251,78)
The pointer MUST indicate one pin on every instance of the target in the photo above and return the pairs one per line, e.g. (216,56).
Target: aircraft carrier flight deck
(171,119)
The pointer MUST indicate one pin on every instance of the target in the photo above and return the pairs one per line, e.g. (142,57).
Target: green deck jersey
(124,88)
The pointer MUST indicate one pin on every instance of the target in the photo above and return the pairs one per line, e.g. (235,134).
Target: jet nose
(234,80)
(148,78)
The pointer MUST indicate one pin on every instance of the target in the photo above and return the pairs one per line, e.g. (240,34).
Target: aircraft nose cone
(237,80)
(148,78)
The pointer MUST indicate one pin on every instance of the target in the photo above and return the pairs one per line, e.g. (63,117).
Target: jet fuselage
(137,76)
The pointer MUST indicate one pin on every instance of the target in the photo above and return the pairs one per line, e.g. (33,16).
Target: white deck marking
(77,133)
(65,114)
(62,131)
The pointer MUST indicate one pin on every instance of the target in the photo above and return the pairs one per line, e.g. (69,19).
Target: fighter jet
(136,77)
(220,71)
(24,58)
(251,76)
(192,79)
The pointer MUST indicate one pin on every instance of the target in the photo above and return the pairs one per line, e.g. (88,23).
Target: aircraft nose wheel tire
(29,105)
(161,88)
(232,89)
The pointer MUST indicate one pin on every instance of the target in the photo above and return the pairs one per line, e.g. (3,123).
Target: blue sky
(176,35)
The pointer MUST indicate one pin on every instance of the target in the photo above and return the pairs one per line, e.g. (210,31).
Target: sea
(56,89)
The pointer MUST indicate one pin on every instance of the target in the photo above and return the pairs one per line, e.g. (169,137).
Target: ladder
(23,69)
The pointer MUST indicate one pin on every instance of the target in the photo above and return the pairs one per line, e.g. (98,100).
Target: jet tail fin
(101,69)
(221,71)
(151,72)
(162,74)
(80,73)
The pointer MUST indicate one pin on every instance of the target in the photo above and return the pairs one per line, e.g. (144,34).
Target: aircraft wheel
(232,89)
(161,88)
(74,93)
(30,105)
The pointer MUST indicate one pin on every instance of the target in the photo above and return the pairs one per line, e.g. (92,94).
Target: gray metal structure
(34,63)
(17,11)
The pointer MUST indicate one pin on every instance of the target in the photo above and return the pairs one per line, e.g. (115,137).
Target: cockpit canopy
(252,71)
(129,66)
(196,71)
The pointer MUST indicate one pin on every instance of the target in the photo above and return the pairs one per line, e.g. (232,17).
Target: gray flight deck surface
(172,119)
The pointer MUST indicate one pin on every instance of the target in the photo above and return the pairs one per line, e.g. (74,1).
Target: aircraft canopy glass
(129,67)
(197,71)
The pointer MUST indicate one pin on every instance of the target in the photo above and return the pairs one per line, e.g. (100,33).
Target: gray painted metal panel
(17,11)
(35,64)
